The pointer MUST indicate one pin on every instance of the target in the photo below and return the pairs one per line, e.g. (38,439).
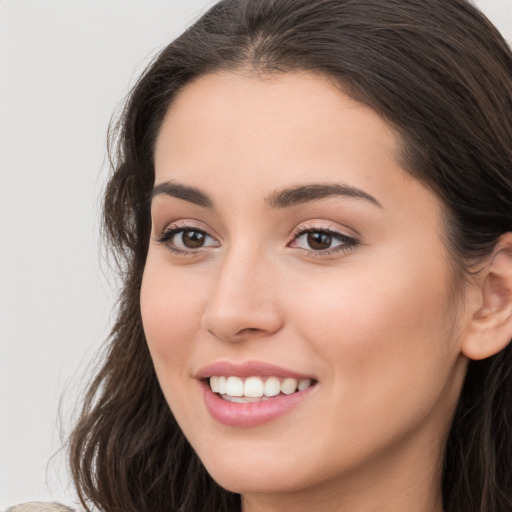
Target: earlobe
(491,324)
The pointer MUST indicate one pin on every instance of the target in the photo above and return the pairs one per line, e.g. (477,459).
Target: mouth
(252,393)
(255,388)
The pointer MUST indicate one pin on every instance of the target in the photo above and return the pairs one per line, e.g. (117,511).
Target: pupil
(193,239)
(319,241)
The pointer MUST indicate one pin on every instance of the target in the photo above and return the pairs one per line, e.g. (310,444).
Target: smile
(255,389)
(252,393)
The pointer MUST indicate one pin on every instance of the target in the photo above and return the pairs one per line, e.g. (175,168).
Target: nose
(243,299)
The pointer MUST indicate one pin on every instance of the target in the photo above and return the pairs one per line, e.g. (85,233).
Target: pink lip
(253,414)
(250,414)
(248,369)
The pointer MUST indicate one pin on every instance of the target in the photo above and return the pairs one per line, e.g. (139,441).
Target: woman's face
(288,243)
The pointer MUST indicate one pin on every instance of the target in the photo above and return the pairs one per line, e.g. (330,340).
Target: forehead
(295,100)
(258,134)
(267,120)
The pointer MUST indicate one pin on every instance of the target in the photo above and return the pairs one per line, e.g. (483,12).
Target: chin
(271,470)
(242,480)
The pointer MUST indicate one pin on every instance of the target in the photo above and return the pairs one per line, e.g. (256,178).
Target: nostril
(248,330)
(238,319)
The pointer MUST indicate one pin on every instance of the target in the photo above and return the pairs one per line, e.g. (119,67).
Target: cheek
(171,308)
(384,341)
(172,303)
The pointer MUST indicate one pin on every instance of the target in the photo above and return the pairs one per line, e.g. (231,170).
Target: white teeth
(234,386)
(214,384)
(255,389)
(222,385)
(288,386)
(244,399)
(304,384)
(272,386)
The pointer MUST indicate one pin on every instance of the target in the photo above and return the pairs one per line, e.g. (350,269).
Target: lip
(252,414)
(248,369)
(249,414)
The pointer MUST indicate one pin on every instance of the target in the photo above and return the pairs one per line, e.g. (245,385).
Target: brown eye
(323,242)
(193,239)
(183,240)
(319,241)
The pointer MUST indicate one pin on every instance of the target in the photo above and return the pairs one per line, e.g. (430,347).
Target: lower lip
(252,414)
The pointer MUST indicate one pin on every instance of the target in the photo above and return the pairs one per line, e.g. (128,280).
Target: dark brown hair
(441,75)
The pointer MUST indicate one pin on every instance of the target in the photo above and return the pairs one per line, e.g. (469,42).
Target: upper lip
(248,369)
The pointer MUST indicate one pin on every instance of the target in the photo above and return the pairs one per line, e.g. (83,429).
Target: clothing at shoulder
(39,506)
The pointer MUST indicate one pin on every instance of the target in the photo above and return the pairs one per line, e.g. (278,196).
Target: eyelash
(348,243)
(168,234)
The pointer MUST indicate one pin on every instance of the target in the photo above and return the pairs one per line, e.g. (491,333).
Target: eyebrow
(279,199)
(190,194)
(304,193)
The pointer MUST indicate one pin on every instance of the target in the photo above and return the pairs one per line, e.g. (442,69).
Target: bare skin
(352,288)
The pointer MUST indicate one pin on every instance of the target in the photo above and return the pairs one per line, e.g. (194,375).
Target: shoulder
(39,506)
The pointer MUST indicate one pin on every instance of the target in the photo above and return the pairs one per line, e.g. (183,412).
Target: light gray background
(65,65)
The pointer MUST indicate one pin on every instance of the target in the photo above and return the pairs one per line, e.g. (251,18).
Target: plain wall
(65,66)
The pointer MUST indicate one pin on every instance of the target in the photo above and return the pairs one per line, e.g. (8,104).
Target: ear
(490,328)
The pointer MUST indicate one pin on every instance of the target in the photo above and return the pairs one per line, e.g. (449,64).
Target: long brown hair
(441,75)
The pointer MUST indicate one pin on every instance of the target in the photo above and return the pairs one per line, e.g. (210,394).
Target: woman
(311,207)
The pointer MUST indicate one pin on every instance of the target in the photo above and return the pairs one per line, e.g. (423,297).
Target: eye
(184,240)
(317,240)
(322,241)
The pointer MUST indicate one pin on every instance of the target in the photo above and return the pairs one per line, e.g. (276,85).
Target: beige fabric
(39,506)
